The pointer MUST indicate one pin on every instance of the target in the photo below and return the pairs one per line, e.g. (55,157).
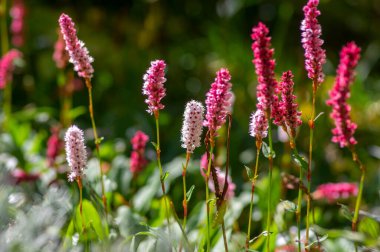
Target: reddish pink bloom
(17,13)
(79,54)
(344,130)
(138,161)
(264,64)
(218,101)
(60,55)
(288,105)
(19,176)
(154,80)
(311,42)
(258,126)
(6,66)
(204,164)
(335,191)
(54,146)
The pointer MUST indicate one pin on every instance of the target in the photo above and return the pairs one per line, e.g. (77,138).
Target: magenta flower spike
(335,191)
(264,64)
(192,126)
(344,130)
(288,104)
(54,146)
(76,154)
(138,161)
(218,101)
(315,56)
(153,87)
(258,126)
(17,13)
(78,53)
(6,66)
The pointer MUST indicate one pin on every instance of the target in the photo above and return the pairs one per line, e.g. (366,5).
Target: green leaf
(219,215)
(323,238)
(346,212)
(155,145)
(189,193)
(68,235)
(289,206)
(370,227)
(300,161)
(315,119)
(266,151)
(77,111)
(165,176)
(99,140)
(91,220)
(249,172)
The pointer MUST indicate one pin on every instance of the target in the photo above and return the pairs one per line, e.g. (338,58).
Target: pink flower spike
(344,130)
(17,13)
(315,56)
(54,146)
(60,55)
(76,154)
(153,87)
(218,101)
(258,126)
(6,66)
(288,105)
(138,161)
(264,64)
(335,191)
(192,126)
(79,54)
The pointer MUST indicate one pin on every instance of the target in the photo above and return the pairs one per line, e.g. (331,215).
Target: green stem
(311,126)
(97,141)
(184,203)
(270,183)
(207,191)
(299,201)
(258,145)
(80,186)
(158,152)
(7,106)
(224,237)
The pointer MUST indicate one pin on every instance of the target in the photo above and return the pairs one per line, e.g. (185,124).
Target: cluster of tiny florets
(258,126)
(6,66)
(335,191)
(192,126)
(17,13)
(76,155)
(138,160)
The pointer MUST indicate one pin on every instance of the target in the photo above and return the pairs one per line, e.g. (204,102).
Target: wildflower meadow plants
(136,198)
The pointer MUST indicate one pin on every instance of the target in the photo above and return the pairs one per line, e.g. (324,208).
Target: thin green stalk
(80,186)
(270,158)
(7,106)
(97,141)
(158,152)
(207,191)
(224,237)
(258,147)
(299,201)
(311,125)
(184,203)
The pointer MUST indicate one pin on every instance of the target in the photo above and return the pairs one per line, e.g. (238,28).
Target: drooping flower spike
(6,66)
(76,154)
(153,87)
(344,130)
(218,101)
(315,56)
(192,126)
(138,160)
(79,54)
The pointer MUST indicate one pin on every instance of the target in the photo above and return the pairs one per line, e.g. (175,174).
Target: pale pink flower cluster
(79,54)
(6,66)
(218,101)
(76,154)
(258,126)
(192,126)
(335,191)
(153,87)
(17,13)
(312,43)
(344,130)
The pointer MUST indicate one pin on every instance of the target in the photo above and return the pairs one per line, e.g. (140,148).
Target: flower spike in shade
(17,13)
(192,126)
(79,54)
(153,88)
(315,56)
(6,66)
(258,126)
(344,130)
(138,161)
(75,152)
(218,101)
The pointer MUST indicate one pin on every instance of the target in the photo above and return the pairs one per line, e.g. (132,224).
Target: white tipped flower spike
(75,152)
(258,126)
(192,126)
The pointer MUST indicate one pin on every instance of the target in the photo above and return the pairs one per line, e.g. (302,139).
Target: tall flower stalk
(218,104)
(344,130)
(191,138)
(79,56)
(155,91)
(258,128)
(267,100)
(315,57)
(76,156)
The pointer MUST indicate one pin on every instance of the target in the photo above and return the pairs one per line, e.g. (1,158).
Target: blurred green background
(196,38)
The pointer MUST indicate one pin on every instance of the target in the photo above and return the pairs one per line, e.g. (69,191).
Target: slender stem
(270,158)
(7,106)
(158,152)
(258,147)
(80,186)
(224,237)
(97,141)
(207,190)
(184,203)
(311,126)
